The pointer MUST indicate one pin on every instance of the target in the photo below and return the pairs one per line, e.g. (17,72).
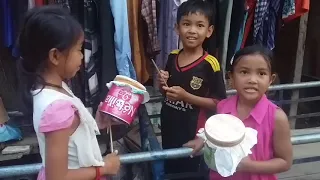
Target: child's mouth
(250,90)
(191,38)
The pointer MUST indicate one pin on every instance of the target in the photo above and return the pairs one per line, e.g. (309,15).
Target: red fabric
(302,6)
(39,2)
(202,118)
(252,5)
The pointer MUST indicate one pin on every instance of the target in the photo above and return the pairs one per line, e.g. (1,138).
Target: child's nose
(253,79)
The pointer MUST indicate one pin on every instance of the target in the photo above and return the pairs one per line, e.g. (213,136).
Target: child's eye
(243,72)
(186,24)
(262,73)
(201,25)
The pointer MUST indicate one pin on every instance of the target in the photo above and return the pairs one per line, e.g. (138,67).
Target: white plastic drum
(221,130)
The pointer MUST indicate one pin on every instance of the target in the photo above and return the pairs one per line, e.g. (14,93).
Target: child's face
(251,77)
(74,61)
(193,29)
(68,64)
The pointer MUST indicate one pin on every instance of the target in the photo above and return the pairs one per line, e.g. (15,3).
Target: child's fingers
(165,88)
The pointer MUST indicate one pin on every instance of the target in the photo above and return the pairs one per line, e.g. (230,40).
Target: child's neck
(244,108)
(190,52)
(188,56)
(52,78)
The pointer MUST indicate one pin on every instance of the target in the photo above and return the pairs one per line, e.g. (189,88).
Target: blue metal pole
(11,171)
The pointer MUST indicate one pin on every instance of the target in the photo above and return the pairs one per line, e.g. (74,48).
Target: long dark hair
(44,28)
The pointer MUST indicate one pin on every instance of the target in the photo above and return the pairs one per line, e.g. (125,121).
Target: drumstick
(155,65)
(111,141)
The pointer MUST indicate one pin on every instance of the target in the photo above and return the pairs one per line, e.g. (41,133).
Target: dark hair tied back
(44,28)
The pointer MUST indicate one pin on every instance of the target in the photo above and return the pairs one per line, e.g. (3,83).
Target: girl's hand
(244,163)
(196,145)
(104,120)
(163,77)
(175,93)
(112,164)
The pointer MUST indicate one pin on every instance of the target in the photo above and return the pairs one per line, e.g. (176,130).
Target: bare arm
(282,160)
(57,156)
(203,102)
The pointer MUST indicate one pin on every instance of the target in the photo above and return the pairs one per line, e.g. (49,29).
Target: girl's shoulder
(58,115)
(227,103)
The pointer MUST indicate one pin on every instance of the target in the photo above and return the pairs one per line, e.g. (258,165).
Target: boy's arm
(217,92)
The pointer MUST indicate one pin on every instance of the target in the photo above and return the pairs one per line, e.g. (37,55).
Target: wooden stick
(111,141)
(155,65)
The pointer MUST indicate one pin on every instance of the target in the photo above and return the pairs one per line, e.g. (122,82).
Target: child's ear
(210,31)
(54,56)
(273,78)
(230,76)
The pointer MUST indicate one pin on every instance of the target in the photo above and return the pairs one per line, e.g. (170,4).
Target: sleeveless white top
(83,147)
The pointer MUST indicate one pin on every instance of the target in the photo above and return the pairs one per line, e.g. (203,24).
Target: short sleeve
(217,87)
(169,62)
(58,115)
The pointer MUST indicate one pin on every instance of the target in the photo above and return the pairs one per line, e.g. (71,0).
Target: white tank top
(83,147)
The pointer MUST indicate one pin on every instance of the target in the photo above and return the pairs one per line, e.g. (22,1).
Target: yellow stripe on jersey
(213,62)
(176,51)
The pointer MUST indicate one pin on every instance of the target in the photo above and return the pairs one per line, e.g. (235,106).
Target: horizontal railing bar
(293,86)
(20,170)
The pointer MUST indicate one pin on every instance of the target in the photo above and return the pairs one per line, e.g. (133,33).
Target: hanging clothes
(6,16)
(249,23)
(122,39)
(140,60)
(167,36)
(31,4)
(62,3)
(288,8)
(265,21)
(108,62)
(301,7)
(238,14)
(149,14)
(39,2)
(12,16)
(92,53)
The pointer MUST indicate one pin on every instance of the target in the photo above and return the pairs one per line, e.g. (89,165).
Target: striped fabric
(265,21)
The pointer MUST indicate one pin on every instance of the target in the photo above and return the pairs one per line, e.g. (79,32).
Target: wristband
(98,175)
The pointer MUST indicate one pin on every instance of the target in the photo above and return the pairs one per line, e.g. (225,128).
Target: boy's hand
(163,77)
(196,145)
(175,93)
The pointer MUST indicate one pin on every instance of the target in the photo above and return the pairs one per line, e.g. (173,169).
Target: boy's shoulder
(214,63)
(175,52)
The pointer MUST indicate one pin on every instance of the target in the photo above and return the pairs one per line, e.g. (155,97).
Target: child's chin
(252,97)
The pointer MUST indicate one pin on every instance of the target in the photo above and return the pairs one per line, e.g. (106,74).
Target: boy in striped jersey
(195,85)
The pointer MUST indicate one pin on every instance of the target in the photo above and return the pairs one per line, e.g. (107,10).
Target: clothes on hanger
(167,36)
(148,12)
(39,2)
(266,15)
(301,7)
(140,60)
(289,8)
(108,62)
(31,4)
(122,39)
(92,54)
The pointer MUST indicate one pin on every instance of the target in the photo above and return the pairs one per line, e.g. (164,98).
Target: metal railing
(19,170)
(150,143)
